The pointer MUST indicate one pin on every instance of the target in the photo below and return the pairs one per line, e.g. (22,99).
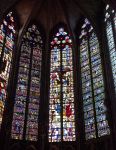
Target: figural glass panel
(95,119)
(27,99)
(7,39)
(61,96)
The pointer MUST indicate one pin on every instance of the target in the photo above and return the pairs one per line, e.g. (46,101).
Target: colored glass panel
(7,38)
(110,19)
(96,124)
(61,103)
(87,90)
(28,87)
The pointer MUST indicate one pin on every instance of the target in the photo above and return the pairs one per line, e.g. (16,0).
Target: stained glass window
(95,119)
(26,107)
(110,19)
(61,96)
(7,38)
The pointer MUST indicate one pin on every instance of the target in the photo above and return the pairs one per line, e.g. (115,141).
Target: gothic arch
(28,85)
(62,70)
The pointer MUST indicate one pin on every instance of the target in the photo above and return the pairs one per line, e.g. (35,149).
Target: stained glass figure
(61,98)
(7,39)
(110,20)
(27,99)
(95,119)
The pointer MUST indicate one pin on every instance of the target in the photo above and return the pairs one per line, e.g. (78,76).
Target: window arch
(110,20)
(61,95)
(7,43)
(93,92)
(27,98)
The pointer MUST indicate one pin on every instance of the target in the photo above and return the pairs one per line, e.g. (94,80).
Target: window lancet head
(109,12)
(61,94)
(85,25)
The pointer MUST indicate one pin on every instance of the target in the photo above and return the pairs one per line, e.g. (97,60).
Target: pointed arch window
(27,98)
(110,20)
(7,43)
(95,119)
(61,96)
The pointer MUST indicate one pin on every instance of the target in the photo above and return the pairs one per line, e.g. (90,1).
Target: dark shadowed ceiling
(50,12)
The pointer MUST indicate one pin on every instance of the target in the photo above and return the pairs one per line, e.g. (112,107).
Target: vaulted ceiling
(51,12)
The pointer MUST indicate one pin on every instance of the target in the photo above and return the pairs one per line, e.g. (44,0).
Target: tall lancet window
(27,99)
(7,39)
(93,92)
(61,95)
(110,19)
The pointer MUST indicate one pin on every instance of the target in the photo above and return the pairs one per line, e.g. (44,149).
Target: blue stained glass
(28,87)
(7,37)
(110,19)
(61,111)
(92,84)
